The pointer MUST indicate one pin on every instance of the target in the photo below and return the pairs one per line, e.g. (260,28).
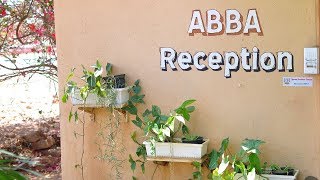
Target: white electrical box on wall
(311,60)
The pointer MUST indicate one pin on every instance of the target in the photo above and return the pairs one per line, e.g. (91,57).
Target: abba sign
(233,25)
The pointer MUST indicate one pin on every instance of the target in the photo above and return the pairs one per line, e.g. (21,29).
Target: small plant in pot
(109,92)
(286,170)
(97,90)
(245,164)
(192,139)
(160,135)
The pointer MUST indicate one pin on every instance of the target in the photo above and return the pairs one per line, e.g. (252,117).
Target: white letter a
(196,22)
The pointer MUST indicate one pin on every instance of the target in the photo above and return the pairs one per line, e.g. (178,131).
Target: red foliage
(27,26)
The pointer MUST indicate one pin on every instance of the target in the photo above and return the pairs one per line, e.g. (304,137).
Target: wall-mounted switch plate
(311,60)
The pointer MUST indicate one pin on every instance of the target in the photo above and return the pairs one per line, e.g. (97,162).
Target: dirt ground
(29,124)
(12,138)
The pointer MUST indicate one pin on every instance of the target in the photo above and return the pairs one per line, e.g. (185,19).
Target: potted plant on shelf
(103,91)
(277,172)
(245,164)
(97,91)
(161,131)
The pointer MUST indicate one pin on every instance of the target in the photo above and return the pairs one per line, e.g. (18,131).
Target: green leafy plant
(93,82)
(110,146)
(224,165)
(191,137)
(158,127)
(282,170)
(11,166)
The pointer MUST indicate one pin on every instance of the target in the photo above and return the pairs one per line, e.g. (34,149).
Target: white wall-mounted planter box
(93,100)
(177,150)
(271,177)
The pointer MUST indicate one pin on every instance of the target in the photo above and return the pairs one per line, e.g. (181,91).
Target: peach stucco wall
(129,33)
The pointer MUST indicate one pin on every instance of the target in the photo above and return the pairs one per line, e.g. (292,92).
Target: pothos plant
(224,166)
(159,127)
(110,132)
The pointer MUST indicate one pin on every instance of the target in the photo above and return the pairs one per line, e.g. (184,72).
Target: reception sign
(232,61)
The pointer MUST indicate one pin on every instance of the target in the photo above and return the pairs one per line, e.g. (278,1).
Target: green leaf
(143,168)
(147,112)
(190,109)
(137,98)
(156,129)
(71,74)
(185,129)
(65,97)
(196,164)
(97,65)
(132,162)
(136,89)
(137,82)
(70,116)
(185,115)
(161,137)
(214,158)
(76,116)
(164,117)
(10,154)
(156,111)
(11,175)
(134,137)
(84,92)
(134,178)
(224,145)
(131,108)
(243,169)
(5,161)
(91,81)
(137,122)
(109,68)
(196,175)
(251,145)
(141,151)
(255,162)
(187,103)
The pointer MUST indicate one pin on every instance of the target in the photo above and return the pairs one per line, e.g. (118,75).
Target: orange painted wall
(129,34)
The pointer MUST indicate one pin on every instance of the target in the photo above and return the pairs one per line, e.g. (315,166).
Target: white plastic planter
(177,150)
(93,100)
(271,177)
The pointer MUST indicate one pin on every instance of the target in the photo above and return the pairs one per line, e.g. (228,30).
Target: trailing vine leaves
(110,131)
(136,98)
(197,174)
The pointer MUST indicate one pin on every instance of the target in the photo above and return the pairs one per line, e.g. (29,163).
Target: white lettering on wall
(196,22)
(168,56)
(233,23)
(214,24)
(249,61)
(252,22)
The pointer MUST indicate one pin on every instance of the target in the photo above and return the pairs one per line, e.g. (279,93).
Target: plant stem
(154,172)
(82,154)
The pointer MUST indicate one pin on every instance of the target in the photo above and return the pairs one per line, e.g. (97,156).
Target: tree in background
(27,27)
